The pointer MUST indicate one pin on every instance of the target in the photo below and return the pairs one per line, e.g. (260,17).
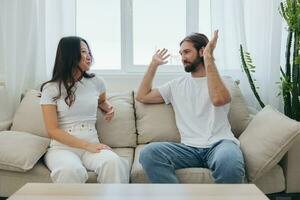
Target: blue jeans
(224,159)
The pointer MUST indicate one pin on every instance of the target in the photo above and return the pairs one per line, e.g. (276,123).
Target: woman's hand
(106,107)
(96,148)
(109,114)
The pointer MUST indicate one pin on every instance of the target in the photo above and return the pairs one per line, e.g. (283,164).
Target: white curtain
(29,33)
(256,25)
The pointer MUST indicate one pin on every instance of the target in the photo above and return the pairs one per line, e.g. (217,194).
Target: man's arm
(218,92)
(145,92)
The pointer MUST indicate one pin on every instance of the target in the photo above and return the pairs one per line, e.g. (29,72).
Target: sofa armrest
(5,125)
(290,164)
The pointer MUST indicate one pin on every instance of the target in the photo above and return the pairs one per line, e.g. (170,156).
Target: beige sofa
(134,126)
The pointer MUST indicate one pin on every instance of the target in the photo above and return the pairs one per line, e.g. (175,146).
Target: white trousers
(70,165)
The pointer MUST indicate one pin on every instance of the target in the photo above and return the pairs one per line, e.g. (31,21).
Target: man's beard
(194,65)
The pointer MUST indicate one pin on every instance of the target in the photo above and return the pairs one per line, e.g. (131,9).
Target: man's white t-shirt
(200,123)
(84,108)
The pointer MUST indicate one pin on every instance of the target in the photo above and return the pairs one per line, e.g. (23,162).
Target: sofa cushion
(272,181)
(290,164)
(265,141)
(4,125)
(120,132)
(11,181)
(187,175)
(19,151)
(156,122)
(238,116)
(29,117)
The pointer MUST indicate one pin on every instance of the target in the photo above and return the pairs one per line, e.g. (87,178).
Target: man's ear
(201,51)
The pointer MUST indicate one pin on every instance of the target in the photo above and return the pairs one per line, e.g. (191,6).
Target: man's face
(190,57)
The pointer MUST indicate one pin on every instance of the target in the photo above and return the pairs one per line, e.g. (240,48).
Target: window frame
(126,23)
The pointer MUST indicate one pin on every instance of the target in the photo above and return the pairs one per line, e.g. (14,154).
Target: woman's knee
(112,160)
(71,174)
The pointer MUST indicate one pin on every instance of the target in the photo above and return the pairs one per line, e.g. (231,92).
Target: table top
(51,191)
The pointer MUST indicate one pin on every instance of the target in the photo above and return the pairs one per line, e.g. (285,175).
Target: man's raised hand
(160,57)
(211,45)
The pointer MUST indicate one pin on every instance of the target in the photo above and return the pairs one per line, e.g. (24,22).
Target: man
(201,104)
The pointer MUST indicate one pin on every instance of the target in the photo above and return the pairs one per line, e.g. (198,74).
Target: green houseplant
(248,67)
(290,75)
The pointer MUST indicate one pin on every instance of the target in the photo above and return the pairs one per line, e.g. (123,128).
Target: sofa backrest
(238,116)
(28,116)
(150,122)
(120,132)
(156,122)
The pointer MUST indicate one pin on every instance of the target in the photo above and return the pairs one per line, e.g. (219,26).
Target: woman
(69,103)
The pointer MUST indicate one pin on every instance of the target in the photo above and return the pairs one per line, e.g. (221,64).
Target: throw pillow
(19,151)
(267,138)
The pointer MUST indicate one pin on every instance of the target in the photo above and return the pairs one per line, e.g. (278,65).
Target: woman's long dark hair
(67,60)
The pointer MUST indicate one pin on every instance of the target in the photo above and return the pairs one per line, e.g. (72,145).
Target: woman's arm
(106,107)
(54,132)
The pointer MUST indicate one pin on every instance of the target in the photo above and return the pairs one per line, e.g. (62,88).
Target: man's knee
(229,171)
(233,171)
(229,165)
(150,153)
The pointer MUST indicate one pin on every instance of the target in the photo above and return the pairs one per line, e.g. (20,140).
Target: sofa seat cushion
(11,181)
(187,175)
(121,131)
(271,182)
(20,151)
(267,138)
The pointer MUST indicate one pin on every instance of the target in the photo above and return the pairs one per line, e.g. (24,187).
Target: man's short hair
(199,40)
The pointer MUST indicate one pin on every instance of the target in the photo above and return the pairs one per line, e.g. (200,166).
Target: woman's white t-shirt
(200,123)
(84,108)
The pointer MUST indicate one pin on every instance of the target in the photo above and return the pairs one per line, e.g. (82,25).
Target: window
(98,21)
(150,29)
(124,34)
(204,18)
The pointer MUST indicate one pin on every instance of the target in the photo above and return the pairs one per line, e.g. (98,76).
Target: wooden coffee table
(50,191)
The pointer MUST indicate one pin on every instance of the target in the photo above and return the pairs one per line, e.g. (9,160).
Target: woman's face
(86,59)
